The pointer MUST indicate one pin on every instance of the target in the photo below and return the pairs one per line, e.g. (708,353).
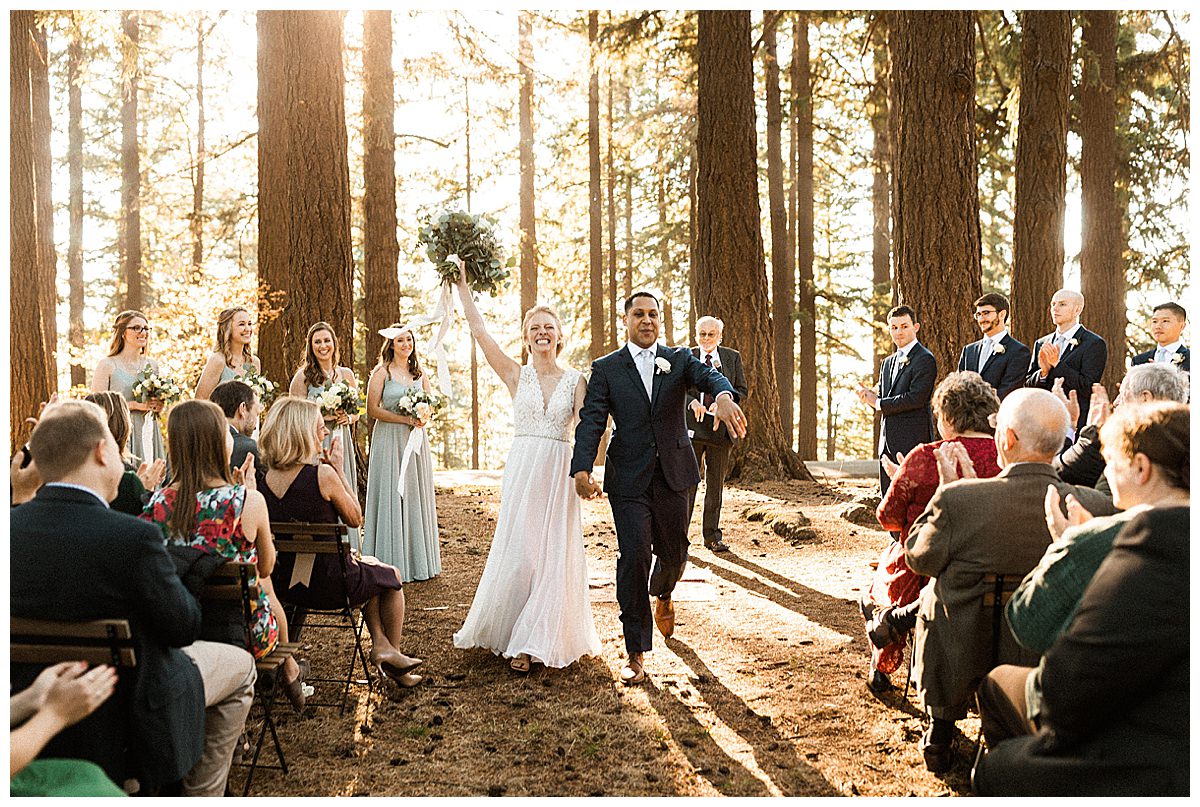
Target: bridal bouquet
(455,238)
(340,397)
(150,386)
(420,404)
(263,387)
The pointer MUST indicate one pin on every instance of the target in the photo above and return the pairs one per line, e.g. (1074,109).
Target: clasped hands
(1048,356)
(867,395)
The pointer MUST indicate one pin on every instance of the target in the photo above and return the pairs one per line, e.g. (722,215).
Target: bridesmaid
(231,354)
(319,369)
(400,530)
(118,372)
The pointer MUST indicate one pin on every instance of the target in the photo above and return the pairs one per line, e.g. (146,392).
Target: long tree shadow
(834,613)
(776,756)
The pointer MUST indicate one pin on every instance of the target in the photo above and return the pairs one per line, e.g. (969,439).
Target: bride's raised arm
(505,367)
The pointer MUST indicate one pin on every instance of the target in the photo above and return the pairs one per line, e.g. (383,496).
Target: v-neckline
(541,393)
(286,490)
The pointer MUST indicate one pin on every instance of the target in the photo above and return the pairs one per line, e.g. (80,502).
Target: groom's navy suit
(649,470)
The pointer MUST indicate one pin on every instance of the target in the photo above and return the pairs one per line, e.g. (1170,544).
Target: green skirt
(62,777)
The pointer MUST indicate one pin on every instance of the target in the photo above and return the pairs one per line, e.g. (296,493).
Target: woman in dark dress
(302,482)
(140,479)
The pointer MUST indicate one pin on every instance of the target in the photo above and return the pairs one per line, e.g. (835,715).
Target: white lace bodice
(554,422)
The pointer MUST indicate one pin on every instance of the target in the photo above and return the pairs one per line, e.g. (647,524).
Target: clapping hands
(1100,407)
(152,473)
(244,474)
(1048,357)
(953,463)
(866,395)
(890,468)
(1070,400)
(1055,520)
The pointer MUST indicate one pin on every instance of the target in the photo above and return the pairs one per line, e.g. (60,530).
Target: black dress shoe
(716,546)
(938,756)
(878,682)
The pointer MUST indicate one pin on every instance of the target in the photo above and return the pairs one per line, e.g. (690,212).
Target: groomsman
(1000,359)
(710,439)
(1166,326)
(906,382)
(1072,353)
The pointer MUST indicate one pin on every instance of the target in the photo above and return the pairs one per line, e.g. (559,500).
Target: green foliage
(471,239)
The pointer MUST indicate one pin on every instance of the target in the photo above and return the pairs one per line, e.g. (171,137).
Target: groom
(650,467)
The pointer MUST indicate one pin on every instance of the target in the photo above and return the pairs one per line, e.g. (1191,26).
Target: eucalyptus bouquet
(453,237)
(150,386)
(340,397)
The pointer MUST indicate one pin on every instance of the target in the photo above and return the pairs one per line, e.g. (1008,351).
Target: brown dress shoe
(664,616)
(633,672)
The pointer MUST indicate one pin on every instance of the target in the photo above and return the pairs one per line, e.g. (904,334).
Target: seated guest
(962,404)
(241,406)
(139,478)
(1115,686)
(226,519)
(1146,448)
(972,527)
(75,559)
(1082,463)
(997,357)
(60,696)
(300,482)
(1166,326)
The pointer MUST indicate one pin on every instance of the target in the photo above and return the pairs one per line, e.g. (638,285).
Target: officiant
(711,440)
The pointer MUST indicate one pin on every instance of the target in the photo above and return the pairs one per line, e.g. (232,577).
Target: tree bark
(807,312)
(1041,172)
(43,168)
(783,272)
(937,242)
(131,176)
(381,251)
(474,350)
(610,186)
(731,273)
(27,371)
(529,266)
(304,252)
(664,249)
(201,154)
(1102,268)
(881,204)
(75,201)
(596,348)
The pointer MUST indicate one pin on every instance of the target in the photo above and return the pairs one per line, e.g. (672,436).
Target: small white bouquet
(340,396)
(150,386)
(263,387)
(420,404)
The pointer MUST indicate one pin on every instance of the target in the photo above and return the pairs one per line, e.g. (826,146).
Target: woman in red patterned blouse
(961,404)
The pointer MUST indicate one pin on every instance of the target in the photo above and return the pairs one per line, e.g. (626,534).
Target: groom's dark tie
(705,399)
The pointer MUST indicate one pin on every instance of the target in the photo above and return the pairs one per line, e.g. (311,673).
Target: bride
(532,601)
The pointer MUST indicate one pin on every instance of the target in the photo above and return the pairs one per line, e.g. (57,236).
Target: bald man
(971,527)
(1072,353)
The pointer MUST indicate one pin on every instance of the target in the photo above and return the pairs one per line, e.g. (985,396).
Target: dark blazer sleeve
(920,388)
(1142,358)
(170,611)
(704,378)
(1014,371)
(593,419)
(1081,463)
(1125,636)
(962,360)
(1033,376)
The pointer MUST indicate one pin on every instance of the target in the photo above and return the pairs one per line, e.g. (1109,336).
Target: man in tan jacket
(970,528)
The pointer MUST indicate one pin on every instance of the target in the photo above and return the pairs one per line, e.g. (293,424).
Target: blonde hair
(288,438)
(543,309)
(225,336)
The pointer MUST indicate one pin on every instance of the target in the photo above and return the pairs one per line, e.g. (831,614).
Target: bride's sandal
(521,664)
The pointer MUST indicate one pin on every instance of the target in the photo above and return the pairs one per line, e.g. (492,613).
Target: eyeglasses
(140,328)
(987,312)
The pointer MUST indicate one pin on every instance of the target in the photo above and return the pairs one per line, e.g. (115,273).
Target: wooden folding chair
(301,538)
(48,641)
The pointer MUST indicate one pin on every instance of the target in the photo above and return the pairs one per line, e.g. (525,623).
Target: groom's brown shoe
(664,616)
(633,672)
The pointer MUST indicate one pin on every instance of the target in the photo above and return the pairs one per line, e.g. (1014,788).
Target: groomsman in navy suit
(1000,359)
(1166,326)
(906,382)
(1072,353)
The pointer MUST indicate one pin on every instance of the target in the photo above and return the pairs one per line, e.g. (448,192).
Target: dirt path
(760,692)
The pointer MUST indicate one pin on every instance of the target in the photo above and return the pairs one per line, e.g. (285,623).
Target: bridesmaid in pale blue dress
(118,372)
(231,354)
(319,369)
(400,530)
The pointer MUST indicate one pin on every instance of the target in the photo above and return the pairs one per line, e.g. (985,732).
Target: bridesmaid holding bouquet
(119,371)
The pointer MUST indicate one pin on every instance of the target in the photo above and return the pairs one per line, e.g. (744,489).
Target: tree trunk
(1102,269)
(381,251)
(1041,172)
(783,273)
(304,203)
(664,251)
(628,201)
(881,204)
(529,266)
(731,273)
(612,224)
(936,234)
(201,155)
(27,371)
(131,176)
(474,347)
(802,97)
(75,201)
(597,345)
(43,168)
(693,277)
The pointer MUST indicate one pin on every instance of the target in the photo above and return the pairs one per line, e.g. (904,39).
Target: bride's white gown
(533,595)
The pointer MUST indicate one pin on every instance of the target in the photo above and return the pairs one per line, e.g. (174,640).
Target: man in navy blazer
(1166,326)
(649,468)
(1000,359)
(1072,353)
(906,382)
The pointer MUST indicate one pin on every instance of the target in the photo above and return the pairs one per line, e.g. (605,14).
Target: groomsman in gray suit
(710,439)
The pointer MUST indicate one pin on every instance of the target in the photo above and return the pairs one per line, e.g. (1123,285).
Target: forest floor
(760,692)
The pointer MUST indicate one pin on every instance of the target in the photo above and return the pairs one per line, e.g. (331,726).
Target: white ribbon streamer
(416,439)
(148,437)
(302,570)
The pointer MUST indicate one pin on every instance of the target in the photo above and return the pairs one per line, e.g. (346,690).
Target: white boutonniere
(1177,358)
(661,365)
(902,361)
(998,349)
(1073,343)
